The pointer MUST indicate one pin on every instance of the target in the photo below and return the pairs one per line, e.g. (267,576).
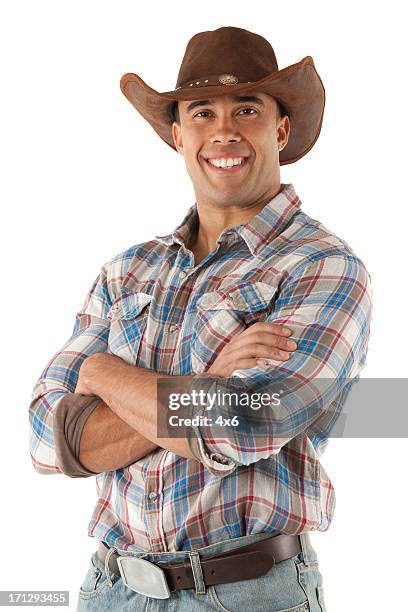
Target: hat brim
(298,87)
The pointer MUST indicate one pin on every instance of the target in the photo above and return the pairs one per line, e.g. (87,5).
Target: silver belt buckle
(143,577)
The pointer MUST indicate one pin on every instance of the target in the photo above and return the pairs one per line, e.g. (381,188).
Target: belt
(244,563)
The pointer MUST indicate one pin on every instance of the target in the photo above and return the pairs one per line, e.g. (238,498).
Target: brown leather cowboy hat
(229,60)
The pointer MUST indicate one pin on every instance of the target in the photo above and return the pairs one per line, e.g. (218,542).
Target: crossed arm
(108,443)
(327,305)
(123,426)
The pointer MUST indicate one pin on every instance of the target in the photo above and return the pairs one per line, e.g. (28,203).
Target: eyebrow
(196,103)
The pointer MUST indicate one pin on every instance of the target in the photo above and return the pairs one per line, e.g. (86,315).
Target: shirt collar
(259,230)
(184,230)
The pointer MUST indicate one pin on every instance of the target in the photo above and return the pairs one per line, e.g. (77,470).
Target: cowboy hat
(230,60)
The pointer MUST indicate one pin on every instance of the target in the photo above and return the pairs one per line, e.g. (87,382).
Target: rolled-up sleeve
(217,463)
(59,379)
(327,303)
(69,418)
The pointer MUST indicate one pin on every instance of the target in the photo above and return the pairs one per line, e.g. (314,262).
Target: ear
(282,132)
(177,138)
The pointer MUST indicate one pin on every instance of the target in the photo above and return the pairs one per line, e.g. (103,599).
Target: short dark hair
(174,114)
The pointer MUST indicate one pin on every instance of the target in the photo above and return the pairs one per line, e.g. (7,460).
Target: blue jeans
(294,585)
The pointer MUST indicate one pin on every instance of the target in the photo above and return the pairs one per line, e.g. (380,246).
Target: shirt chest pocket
(128,316)
(224,313)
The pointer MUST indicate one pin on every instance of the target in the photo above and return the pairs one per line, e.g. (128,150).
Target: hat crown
(227,50)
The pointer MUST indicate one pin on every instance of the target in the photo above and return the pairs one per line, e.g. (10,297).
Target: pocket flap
(129,305)
(241,296)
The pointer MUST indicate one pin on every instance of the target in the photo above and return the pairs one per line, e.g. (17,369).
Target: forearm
(131,393)
(109,443)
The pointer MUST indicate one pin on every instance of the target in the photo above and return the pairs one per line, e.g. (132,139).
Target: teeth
(226,163)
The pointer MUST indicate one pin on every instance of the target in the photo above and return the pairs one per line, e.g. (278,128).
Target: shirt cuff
(217,464)
(69,418)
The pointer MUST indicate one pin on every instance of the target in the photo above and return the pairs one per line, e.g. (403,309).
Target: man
(201,521)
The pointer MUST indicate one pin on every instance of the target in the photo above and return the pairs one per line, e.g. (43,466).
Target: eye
(248,109)
(242,109)
(200,113)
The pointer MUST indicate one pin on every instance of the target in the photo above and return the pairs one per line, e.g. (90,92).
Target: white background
(85,177)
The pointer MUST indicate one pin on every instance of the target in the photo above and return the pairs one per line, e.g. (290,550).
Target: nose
(225,130)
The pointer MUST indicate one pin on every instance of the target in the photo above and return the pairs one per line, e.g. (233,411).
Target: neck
(213,220)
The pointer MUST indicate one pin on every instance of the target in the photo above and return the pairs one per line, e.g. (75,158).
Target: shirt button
(173,328)
(152,495)
(183,273)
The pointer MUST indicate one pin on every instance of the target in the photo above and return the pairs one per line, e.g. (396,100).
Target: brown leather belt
(243,563)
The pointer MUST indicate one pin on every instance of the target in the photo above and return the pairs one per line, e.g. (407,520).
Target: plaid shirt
(150,306)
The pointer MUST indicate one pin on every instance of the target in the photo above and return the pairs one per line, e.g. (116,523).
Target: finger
(258,350)
(271,327)
(262,339)
(259,330)
(287,344)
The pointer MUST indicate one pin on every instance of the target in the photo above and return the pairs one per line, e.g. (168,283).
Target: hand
(259,341)
(83,386)
(89,368)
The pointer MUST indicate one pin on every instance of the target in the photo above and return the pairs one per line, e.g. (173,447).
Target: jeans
(293,585)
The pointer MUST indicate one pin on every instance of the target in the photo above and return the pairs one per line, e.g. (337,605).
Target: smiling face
(230,146)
